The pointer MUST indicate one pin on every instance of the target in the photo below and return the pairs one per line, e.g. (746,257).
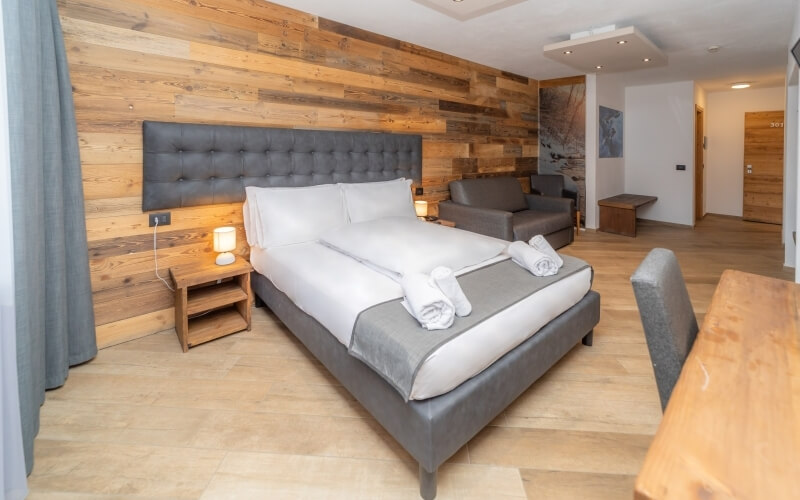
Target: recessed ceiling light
(622,42)
(740,85)
(567,52)
(714,48)
(646,59)
(458,1)
(599,66)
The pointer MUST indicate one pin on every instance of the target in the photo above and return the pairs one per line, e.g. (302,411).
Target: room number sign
(776,124)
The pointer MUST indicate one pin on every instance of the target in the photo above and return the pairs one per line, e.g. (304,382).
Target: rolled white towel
(539,243)
(429,305)
(444,278)
(531,259)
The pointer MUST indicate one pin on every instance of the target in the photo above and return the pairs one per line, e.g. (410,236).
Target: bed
(192,164)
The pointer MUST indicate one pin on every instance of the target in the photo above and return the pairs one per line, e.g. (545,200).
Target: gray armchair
(670,326)
(553,185)
(496,206)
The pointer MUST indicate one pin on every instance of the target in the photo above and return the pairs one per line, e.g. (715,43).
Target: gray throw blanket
(388,339)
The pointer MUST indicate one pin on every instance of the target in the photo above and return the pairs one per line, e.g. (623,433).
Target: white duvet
(404,245)
(334,288)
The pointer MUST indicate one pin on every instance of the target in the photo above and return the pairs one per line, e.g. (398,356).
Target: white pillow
(374,200)
(284,216)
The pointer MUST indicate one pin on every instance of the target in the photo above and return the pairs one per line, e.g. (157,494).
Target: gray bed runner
(389,340)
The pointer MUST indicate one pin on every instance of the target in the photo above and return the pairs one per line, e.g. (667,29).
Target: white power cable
(155,257)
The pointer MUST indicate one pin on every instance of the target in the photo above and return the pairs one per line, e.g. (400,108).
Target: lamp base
(225,258)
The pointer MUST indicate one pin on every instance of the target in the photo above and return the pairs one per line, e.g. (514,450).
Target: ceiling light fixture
(599,66)
(622,42)
(567,52)
(714,48)
(646,59)
(458,1)
(740,85)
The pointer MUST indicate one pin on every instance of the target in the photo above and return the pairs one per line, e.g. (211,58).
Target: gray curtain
(54,315)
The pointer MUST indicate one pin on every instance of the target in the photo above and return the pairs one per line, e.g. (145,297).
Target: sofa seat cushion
(529,223)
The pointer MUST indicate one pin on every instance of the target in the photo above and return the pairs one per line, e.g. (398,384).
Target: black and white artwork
(610,133)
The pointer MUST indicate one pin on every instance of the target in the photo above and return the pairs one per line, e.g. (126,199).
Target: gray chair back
(548,184)
(499,193)
(670,326)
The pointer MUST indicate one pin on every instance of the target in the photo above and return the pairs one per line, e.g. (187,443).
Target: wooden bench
(618,213)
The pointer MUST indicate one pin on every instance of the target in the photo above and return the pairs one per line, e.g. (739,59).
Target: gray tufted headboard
(190,164)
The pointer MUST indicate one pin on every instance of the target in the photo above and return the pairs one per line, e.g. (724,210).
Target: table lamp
(421,208)
(224,242)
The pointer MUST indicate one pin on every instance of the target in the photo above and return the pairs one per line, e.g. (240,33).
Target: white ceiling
(754,35)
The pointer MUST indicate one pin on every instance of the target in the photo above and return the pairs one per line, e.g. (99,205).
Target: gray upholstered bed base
(192,164)
(434,429)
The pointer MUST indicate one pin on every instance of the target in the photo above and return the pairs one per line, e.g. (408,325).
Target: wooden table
(732,426)
(618,213)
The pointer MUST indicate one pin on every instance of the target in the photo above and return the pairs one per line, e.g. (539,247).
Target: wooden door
(763,167)
(698,163)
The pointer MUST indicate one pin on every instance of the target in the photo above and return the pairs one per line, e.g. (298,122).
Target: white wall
(725,131)
(659,134)
(591,151)
(610,171)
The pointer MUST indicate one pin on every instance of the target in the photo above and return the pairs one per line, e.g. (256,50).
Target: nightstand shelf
(211,301)
(211,297)
(214,325)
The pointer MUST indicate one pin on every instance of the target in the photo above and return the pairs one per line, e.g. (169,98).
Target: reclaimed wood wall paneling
(249,62)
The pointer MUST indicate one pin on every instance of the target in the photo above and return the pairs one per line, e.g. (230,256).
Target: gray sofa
(496,206)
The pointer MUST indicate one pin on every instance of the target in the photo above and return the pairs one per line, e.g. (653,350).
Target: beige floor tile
(558,485)
(108,469)
(298,435)
(553,449)
(117,423)
(278,477)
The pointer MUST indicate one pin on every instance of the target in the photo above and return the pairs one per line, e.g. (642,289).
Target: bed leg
(587,339)
(258,302)
(427,484)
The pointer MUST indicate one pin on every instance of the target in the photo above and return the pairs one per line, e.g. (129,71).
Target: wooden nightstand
(211,301)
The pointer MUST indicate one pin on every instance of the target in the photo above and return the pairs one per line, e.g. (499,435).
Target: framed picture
(610,141)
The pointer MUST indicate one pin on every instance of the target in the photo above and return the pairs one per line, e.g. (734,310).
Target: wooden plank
(129,15)
(112,207)
(732,425)
(136,327)
(111,181)
(182,218)
(123,38)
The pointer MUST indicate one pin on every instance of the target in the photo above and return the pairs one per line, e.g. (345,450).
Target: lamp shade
(224,239)
(421,208)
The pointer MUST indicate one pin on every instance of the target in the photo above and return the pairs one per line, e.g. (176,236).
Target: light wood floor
(253,416)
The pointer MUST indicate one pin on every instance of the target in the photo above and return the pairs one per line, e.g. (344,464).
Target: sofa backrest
(548,184)
(500,193)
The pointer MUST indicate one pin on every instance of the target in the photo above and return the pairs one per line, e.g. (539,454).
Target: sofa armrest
(488,221)
(549,203)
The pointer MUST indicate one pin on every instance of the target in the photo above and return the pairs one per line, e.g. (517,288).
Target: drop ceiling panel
(467,9)
(624,49)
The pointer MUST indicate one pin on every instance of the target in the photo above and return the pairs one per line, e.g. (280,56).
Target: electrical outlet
(418,191)
(164,219)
